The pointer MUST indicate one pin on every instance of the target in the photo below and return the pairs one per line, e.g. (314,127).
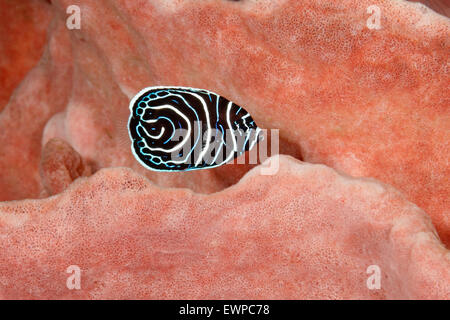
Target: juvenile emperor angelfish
(180,129)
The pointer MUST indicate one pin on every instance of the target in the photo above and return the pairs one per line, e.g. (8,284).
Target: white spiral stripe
(208,122)
(232,134)
(186,138)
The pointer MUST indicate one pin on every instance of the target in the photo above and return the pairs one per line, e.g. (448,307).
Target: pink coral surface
(306,232)
(365,102)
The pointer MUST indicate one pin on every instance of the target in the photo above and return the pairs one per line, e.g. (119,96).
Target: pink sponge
(367,101)
(60,165)
(362,101)
(306,232)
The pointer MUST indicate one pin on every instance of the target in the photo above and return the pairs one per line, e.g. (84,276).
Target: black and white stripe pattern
(180,129)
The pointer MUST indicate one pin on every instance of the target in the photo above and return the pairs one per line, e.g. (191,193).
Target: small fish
(182,129)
